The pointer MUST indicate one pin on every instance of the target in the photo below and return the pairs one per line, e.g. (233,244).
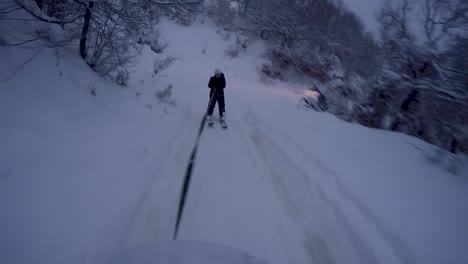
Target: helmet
(218,71)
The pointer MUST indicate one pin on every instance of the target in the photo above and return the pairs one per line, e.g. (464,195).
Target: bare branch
(43,18)
(21,43)
(174,2)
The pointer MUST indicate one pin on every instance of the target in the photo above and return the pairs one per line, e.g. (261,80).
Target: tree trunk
(246,8)
(39,4)
(85,30)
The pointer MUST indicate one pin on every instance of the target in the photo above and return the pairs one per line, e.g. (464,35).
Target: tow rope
(189,170)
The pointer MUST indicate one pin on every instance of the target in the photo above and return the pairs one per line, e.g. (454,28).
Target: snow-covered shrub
(418,109)
(223,12)
(269,71)
(153,40)
(337,99)
(225,35)
(421,88)
(91,89)
(185,18)
(313,65)
(183,14)
(164,96)
(326,30)
(162,64)
(158,47)
(455,164)
(122,77)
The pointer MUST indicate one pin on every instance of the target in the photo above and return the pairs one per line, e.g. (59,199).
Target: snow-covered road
(288,185)
(83,178)
(256,189)
(239,197)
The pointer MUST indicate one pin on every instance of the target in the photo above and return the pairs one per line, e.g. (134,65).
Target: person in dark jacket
(217,84)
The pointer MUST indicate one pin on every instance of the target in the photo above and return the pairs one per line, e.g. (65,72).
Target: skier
(217,84)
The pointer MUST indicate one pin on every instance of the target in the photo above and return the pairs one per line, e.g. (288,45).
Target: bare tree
(106,28)
(313,34)
(443,19)
(423,89)
(85,30)
(39,3)
(223,14)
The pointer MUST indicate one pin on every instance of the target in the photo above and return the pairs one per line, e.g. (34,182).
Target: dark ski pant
(217,98)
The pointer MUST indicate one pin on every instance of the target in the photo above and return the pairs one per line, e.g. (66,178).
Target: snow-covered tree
(107,29)
(422,89)
(310,36)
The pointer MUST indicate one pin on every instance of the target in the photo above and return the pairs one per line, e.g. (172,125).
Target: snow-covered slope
(73,166)
(83,177)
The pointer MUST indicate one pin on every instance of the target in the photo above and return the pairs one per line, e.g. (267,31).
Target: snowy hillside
(83,176)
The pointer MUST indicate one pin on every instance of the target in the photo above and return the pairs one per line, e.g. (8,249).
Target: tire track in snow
(170,174)
(299,194)
(398,246)
(274,154)
(231,203)
(148,217)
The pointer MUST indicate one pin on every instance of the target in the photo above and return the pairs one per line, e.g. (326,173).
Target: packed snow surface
(84,177)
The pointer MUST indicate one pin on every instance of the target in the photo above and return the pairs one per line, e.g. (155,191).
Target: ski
(209,120)
(223,123)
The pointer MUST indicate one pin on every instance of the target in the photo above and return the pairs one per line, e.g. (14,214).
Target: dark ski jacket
(218,83)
